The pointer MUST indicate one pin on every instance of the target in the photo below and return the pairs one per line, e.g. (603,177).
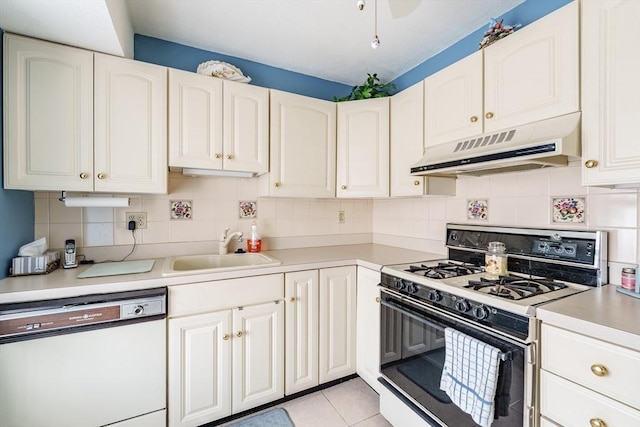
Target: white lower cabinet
(368,327)
(596,386)
(320,326)
(229,360)
(337,323)
(301,331)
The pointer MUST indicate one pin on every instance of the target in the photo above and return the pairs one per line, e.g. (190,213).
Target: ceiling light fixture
(376,40)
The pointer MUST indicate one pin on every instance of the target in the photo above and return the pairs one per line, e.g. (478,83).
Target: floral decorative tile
(477,209)
(248,209)
(568,209)
(181,209)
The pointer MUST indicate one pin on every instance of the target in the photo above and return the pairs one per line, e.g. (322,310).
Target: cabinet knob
(377,299)
(226,337)
(591,164)
(277,185)
(218,155)
(344,187)
(599,370)
(293,299)
(489,115)
(597,422)
(229,156)
(473,119)
(239,334)
(84,175)
(416,182)
(102,175)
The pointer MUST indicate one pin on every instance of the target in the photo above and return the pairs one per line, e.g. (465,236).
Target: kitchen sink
(214,263)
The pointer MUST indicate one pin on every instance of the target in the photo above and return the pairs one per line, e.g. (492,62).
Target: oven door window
(412,357)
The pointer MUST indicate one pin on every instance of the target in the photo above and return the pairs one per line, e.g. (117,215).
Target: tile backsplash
(510,199)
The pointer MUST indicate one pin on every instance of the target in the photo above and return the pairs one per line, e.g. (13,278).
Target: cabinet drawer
(569,404)
(573,356)
(216,295)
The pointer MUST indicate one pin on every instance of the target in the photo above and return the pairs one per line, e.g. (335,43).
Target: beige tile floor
(351,403)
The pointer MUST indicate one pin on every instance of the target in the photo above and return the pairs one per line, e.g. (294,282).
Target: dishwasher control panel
(77,313)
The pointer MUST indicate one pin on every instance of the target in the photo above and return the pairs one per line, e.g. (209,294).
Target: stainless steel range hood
(536,145)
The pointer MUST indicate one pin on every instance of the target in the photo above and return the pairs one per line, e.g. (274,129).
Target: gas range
(543,265)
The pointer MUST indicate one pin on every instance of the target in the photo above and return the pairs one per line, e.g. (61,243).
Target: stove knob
(462,305)
(399,283)
(434,296)
(411,288)
(480,312)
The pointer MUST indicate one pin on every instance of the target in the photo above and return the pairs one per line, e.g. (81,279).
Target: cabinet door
(258,355)
(199,368)
(246,127)
(534,73)
(48,111)
(301,331)
(363,148)
(368,326)
(453,101)
(303,146)
(407,142)
(195,120)
(610,92)
(130,126)
(337,352)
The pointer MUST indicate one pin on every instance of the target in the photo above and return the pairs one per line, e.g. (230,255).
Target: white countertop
(601,313)
(63,283)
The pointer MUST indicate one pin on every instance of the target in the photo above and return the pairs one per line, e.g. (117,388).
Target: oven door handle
(402,310)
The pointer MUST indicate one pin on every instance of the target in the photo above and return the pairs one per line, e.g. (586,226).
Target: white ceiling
(329,39)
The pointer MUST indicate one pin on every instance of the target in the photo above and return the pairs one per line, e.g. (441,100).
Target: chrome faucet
(225,239)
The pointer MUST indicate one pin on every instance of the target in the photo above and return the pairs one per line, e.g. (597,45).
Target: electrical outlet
(139,217)
(340,217)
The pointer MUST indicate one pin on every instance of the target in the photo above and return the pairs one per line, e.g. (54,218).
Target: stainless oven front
(412,357)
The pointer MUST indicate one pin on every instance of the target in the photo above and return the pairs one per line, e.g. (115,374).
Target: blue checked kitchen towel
(470,374)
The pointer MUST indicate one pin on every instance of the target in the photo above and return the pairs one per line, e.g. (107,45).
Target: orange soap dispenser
(254,243)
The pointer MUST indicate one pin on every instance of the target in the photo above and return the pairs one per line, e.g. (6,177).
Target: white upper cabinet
(302,146)
(407,146)
(217,124)
(453,102)
(130,126)
(611,93)
(195,120)
(531,75)
(245,132)
(82,121)
(48,116)
(363,148)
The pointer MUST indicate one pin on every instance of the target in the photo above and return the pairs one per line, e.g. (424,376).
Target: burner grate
(515,287)
(444,270)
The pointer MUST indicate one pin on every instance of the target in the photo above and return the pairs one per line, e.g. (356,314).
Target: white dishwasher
(86,361)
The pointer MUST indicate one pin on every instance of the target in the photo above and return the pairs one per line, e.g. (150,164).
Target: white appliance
(86,361)
(536,145)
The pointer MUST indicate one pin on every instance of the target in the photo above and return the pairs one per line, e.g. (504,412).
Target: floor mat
(273,418)
(425,371)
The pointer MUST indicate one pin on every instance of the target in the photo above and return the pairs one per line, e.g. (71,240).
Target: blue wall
(16,214)
(187,58)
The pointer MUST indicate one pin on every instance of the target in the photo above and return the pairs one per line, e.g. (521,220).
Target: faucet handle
(224,234)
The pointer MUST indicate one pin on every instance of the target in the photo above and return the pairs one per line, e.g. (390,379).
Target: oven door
(412,357)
